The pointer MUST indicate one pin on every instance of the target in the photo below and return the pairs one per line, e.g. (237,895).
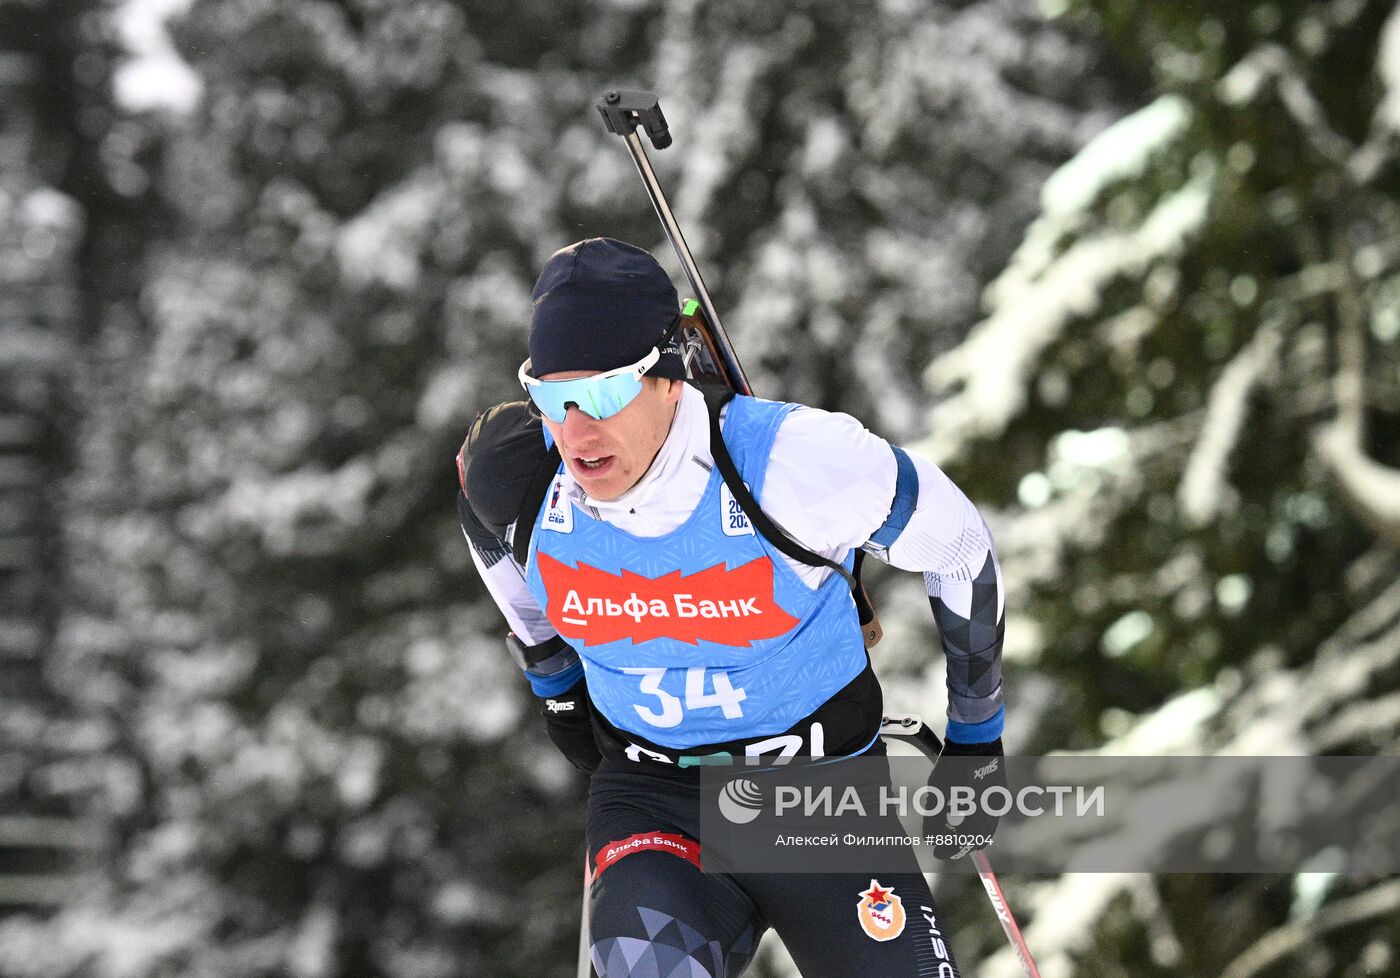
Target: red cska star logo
(727,607)
(880,912)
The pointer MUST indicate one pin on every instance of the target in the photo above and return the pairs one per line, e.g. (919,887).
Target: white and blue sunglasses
(599,396)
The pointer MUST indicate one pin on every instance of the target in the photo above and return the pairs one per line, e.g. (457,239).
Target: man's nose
(578,423)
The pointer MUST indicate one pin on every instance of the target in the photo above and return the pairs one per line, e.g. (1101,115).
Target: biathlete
(656,626)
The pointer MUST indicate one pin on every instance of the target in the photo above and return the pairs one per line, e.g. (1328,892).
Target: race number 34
(724,696)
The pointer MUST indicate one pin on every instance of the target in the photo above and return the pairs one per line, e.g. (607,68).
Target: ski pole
(913,729)
(585,966)
(622,112)
(1003,912)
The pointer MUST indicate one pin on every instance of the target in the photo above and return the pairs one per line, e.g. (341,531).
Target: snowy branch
(1270,66)
(1388,67)
(1205,491)
(1371,490)
(1269,950)
(994,366)
(707,171)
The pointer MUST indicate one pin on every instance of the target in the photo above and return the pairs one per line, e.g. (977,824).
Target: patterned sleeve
(505,581)
(945,536)
(835,486)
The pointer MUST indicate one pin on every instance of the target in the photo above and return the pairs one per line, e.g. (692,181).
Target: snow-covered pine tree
(1184,396)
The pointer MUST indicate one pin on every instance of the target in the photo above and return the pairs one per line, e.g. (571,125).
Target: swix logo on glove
(984,770)
(558,706)
(727,607)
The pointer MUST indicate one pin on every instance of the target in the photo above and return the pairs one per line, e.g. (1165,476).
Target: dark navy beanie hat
(600,304)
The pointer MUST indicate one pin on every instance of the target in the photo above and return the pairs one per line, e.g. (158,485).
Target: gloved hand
(966,766)
(568,719)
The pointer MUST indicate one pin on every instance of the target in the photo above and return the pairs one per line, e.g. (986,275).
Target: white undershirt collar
(674,482)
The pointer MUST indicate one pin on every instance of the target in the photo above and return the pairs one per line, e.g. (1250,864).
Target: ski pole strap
(530,506)
(716,398)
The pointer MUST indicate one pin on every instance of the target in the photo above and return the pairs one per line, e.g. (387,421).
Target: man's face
(608,457)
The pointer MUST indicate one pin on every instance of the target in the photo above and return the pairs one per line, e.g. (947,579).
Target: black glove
(966,766)
(568,719)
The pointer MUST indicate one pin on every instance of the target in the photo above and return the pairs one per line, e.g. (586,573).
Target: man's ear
(670,387)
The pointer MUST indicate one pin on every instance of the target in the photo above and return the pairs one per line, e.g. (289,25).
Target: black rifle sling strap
(715,399)
(530,505)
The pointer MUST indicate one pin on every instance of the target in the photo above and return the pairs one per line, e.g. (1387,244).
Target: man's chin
(604,486)
(603,493)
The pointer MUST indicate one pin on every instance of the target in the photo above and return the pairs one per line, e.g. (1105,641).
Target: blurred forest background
(1128,269)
